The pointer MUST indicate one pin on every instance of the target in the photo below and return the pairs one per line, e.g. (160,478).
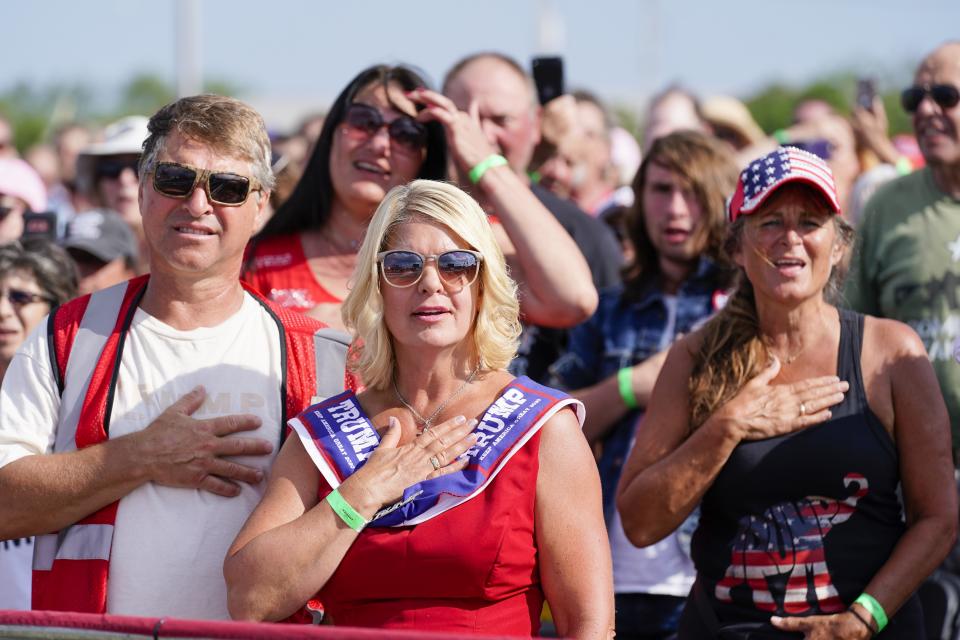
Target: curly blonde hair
(496,331)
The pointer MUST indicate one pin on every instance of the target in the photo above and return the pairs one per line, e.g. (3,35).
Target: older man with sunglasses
(908,256)
(138,423)
(490,95)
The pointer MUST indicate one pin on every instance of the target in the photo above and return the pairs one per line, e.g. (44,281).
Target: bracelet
(870,603)
(346,513)
(481,168)
(904,166)
(862,619)
(625,383)
(781,136)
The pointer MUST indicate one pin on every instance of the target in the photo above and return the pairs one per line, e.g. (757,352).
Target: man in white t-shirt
(139,423)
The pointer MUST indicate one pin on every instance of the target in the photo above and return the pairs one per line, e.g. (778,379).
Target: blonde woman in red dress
(449,495)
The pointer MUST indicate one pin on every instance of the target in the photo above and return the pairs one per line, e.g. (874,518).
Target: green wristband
(781,136)
(870,603)
(625,382)
(904,166)
(346,513)
(489,162)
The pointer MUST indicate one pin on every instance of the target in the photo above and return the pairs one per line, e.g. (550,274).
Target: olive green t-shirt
(906,266)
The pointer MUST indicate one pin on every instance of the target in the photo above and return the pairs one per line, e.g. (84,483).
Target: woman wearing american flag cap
(792,423)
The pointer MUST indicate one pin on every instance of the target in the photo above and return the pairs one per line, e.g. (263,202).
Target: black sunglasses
(458,268)
(945,95)
(113,168)
(179,180)
(404,130)
(19,298)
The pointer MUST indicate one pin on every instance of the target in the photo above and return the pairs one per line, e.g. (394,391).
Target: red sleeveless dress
(472,569)
(278,269)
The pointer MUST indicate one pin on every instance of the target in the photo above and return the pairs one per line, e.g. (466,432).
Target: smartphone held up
(548,77)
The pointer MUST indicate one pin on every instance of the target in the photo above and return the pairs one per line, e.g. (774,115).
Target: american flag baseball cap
(781,166)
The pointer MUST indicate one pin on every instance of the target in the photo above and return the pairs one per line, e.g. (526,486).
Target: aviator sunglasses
(179,180)
(458,268)
(365,120)
(945,95)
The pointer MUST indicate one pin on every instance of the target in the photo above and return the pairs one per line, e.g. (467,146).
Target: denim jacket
(622,333)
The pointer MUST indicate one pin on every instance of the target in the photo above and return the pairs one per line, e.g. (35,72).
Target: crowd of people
(446,354)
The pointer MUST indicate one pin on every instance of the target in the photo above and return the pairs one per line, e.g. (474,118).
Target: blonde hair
(496,330)
(732,351)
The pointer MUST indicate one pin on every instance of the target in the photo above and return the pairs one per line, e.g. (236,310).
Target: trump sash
(339,438)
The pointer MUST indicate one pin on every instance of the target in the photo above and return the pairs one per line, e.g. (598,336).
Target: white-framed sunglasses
(401,268)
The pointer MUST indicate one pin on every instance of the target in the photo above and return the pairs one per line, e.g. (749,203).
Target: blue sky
(293,54)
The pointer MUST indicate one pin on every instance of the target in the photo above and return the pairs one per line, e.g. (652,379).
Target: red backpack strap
(85,333)
(97,405)
(62,328)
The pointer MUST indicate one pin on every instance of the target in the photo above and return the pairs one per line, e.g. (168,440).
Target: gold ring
(435,463)
(803,409)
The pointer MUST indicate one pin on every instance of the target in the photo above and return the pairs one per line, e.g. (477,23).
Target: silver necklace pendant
(427,422)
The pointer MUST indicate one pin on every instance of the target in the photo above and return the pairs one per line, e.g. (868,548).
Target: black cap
(103,234)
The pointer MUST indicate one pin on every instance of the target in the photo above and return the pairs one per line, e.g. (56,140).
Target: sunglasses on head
(365,120)
(458,268)
(19,298)
(113,168)
(945,95)
(177,180)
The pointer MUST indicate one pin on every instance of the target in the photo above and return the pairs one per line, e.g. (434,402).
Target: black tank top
(800,523)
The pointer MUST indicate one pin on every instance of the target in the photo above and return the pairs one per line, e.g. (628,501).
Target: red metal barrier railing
(56,625)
